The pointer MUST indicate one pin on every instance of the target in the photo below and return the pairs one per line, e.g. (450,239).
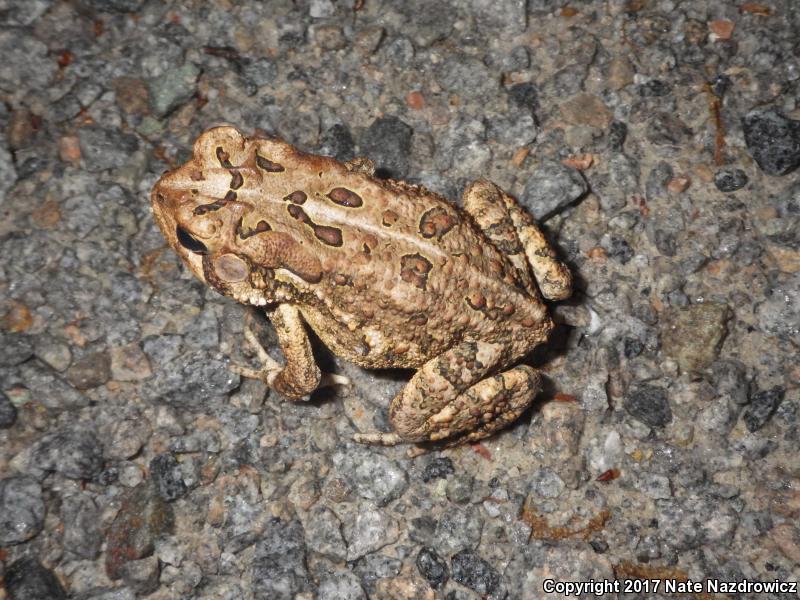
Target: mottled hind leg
(479,412)
(431,400)
(301,375)
(499,215)
(500,400)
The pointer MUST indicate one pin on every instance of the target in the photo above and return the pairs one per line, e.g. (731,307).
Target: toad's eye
(189,242)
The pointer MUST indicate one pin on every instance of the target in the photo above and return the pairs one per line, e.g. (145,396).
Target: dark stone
(15,348)
(649,404)
(437,468)
(617,132)
(720,85)
(74,453)
(620,251)
(167,476)
(599,546)
(432,567)
(27,579)
(730,180)
(471,571)
(633,347)
(8,412)
(120,6)
(388,142)
(655,87)
(762,406)
(773,141)
(279,566)
(142,517)
(525,95)
(91,371)
(337,142)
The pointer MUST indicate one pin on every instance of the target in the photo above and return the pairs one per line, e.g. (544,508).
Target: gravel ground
(658,140)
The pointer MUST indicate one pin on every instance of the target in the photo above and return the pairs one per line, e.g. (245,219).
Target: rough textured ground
(133,464)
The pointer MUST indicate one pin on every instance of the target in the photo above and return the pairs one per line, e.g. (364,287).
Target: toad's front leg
(301,375)
(452,397)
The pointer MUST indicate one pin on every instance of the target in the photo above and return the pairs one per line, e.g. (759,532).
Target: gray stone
(374,476)
(472,571)
(432,567)
(321,9)
(648,404)
(730,180)
(52,391)
(260,71)
(459,489)
(21,510)
(323,531)
(368,531)
(82,534)
(8,412)
(763,405)
(552,187)
(104,149)
(172,89)
(341,585)
(27,579)
(279,566)
(653,485)
(74,453)
(8,174)
(458,529)
(546,484)
(772,140)
(374,567)
(142,575)
(119,6)
(26,66)
(504,17)
(15,348)
(466,76)
(692,522)
(167,477)
(779,313)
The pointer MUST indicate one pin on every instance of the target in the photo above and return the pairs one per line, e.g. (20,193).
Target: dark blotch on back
(328,235)
(261,227)
(268,165)
(236,180)
(436,222)
(297,197)
(224,158)
(344,197)
(414,269)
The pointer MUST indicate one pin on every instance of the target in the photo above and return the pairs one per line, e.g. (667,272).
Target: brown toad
(386,273)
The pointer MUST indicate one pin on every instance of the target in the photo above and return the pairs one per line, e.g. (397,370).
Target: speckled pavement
(658,141)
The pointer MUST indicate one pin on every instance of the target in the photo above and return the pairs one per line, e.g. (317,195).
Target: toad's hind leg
(451,395)
(515,232)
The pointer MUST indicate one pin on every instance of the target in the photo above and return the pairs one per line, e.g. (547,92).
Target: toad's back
(388,274)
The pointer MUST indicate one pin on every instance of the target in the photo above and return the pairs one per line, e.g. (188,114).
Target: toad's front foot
(271,370)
